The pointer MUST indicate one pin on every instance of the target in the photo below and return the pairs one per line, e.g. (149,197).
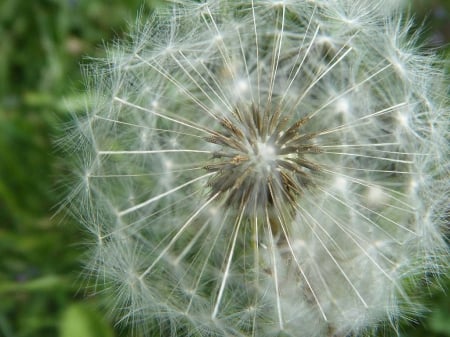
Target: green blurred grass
(41,46)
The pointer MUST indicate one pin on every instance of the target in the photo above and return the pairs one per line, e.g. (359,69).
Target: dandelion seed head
(264,168)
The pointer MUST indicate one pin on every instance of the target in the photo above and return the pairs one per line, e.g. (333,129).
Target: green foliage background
(42,43)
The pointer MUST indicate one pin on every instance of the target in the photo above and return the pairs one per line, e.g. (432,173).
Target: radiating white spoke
(389,192)
(276,55)
(148,174)
(183,89)
(367,156)
(311,43)
(303,211)
(192,242)
(322,75)
(162,195)
(256,263)
(177,236)
(152,151)
(294,256)
(222,47)
(371,170)
(244,60)
(258,66)
(369,149)
(366,218)
(203,88)
(355,123)
(213,246)
(226,273)
(274,269)
(141,126)
(378,214)
(138,107)
(354,87)
(360,145)
(352,235)
(161,212)
(389,203)
(299,68)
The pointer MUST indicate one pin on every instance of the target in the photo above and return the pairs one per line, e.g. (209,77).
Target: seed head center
(266,152)
(262,159)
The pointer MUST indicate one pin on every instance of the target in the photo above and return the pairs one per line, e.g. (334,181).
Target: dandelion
(264,168)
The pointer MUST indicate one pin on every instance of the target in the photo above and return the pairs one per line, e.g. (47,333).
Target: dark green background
(42,43)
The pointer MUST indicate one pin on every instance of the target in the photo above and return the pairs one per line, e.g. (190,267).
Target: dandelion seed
(259,168)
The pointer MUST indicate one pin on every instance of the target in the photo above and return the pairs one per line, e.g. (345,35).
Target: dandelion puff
(264,168)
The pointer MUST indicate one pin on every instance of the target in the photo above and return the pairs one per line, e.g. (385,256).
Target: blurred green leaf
(440,323)
(45,283)
(80,320)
